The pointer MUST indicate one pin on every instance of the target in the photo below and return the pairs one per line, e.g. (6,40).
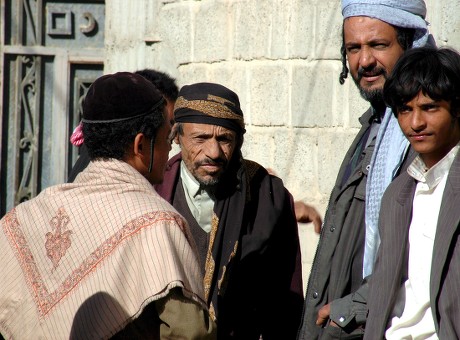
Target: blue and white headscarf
(391,145)
(400,13)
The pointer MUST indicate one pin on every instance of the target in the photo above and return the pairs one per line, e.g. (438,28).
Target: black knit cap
(209,103)
(118,97)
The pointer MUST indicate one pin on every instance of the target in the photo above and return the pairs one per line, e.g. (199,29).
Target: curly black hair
(111,140)
(162,81)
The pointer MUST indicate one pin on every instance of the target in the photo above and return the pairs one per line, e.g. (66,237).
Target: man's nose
(417,121)
(213,149)
(366,58)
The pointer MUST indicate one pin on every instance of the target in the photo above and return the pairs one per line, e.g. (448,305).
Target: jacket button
(332,229)
(315,295)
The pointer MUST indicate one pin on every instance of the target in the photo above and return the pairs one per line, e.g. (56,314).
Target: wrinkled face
(206,150)
(372,51)
(430,128)
(161,149)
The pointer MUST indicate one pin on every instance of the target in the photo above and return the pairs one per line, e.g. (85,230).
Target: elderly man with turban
(375,35)
(240,216)
(105,256)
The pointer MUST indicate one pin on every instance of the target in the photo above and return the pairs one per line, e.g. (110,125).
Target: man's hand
(323,316)
(305,213)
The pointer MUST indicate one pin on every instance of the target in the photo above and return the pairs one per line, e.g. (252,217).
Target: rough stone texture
(311,83)
(328,29)
(253,29)
(300,30)
(281,57)
(445,22)
(269,102)
(212,44)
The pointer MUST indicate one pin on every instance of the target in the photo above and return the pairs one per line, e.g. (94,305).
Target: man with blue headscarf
(375,34)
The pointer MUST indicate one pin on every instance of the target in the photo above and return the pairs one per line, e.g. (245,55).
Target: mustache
(376,71)
(210,161)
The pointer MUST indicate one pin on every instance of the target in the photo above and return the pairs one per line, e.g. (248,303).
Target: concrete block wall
(281,57)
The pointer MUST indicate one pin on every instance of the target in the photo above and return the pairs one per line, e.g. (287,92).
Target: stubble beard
(373,96)
(209,181)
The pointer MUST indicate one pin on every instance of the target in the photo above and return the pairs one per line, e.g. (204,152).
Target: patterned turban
(209,103)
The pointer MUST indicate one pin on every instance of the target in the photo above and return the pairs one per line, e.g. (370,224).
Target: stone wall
(281,57)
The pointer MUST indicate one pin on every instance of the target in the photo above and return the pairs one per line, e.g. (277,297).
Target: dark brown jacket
(253,267)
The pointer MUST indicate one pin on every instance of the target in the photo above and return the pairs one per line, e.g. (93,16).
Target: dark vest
(200,237)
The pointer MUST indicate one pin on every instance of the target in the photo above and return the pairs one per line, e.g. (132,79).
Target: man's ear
(176,139)
(141,149)
(175,133)
(136,154)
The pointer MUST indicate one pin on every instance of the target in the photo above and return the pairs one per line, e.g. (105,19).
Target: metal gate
(51,52)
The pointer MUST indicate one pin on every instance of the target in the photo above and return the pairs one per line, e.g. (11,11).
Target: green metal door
(51,52)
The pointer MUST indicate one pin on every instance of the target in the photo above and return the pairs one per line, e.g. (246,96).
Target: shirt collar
(190,183)
(417,169)
(377,116)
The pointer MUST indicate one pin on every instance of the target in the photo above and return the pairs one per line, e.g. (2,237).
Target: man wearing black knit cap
(105,256)
(162,81)
(241,218)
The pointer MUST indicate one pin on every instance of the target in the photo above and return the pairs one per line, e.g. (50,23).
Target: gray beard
(372,96)
(208,184)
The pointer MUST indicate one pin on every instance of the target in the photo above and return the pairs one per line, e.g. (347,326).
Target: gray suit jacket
(390,270)
(337,268)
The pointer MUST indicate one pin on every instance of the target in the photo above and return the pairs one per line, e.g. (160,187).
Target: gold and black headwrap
(209,103)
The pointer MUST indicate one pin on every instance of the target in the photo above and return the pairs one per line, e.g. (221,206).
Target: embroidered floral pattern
(46,300)
(223,281)
(58,241)
(251,169)
(210,263)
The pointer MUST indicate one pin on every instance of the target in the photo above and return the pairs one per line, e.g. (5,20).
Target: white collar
(432,176)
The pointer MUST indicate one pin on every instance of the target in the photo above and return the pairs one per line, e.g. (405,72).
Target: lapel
(365,122)
(403,217)
(395,217)
(406,193)
(448,221)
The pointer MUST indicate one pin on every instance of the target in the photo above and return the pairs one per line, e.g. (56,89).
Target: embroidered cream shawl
(108,234)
